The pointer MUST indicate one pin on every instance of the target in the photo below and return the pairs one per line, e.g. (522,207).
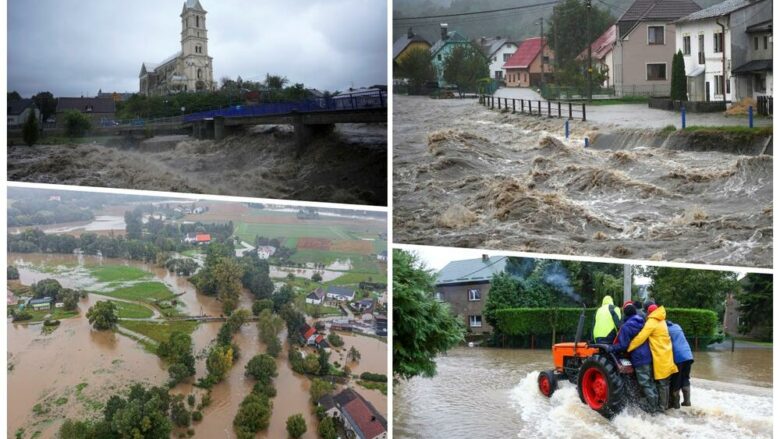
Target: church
(189,69)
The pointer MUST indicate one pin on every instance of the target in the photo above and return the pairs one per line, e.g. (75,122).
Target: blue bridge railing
(351,101)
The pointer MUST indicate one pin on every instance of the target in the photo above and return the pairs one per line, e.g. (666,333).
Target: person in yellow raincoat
(657,333)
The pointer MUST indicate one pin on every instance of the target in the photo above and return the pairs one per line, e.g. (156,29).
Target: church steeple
(194,36)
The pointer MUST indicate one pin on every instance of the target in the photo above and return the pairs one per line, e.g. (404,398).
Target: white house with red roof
(524,68)
(197,238)
(360,418)
(601,52)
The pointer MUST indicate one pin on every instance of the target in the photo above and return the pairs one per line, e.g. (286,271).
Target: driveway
(639,115)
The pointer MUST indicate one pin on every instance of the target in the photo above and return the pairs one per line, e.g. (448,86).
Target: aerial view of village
(486,342)
(157,317)
(618,128)
(202,97)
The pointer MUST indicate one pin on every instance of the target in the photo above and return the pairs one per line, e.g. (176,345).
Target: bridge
(309,118)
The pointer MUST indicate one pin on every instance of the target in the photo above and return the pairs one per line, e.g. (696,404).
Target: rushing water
(49,367)
(470,177)
(492,393)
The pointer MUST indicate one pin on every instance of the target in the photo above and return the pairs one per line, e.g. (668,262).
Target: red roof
(603,44)
(526,53)
(365,418)
(319,339)
(202,237)
(309,333)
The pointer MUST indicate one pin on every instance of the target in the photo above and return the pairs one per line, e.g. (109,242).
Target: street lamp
(590,60)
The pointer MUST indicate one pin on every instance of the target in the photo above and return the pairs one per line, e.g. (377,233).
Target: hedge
(376,377)
(700,323)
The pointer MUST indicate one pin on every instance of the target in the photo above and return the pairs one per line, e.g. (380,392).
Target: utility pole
(627,278)
(541,35)
(590,61)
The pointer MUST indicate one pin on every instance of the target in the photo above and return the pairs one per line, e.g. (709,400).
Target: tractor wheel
(601,386)
(548,383)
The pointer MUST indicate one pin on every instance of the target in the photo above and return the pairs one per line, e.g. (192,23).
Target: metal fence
(568,110)
(553,91)
(764,105)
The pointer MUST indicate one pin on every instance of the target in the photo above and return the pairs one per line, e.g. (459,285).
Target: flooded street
(349,166)
(479,390)
(466,176)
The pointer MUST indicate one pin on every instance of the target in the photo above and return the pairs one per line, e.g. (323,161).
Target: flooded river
(50,369)
(470,177)
(483,392)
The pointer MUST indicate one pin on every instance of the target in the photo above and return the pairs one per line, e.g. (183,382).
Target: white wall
(713,62)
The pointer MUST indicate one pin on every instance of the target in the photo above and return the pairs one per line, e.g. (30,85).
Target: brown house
(465,286)
(100,110)
(524,67)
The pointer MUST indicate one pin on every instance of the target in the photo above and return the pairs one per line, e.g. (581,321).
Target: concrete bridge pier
(305,132)
(219,128)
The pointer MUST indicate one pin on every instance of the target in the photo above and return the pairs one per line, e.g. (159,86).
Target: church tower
(194,47)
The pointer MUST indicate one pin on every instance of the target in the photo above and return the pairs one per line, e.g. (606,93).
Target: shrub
(30,129)
(376,377)
(76,123)
(197,416)
(13,273)
(335,340)
(296,426)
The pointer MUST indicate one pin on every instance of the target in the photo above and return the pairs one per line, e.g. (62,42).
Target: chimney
(410,33)
(373,418)
(444,31)
(485,258)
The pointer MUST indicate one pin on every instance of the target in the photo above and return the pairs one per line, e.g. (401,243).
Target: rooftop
(452,37)
(471,270)
(18,107)
(402,43)
(491,45)
(97,105)
(526,53)
(341,291)
(653,10)
(603,44)
(718,10)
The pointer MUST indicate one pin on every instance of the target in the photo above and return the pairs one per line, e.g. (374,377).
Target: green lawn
(382,387)
(56,314)
(147,291)
(159,331)
(248,232)
(192,252)
(128,310)
(356,278)
(618,101)
(114,273)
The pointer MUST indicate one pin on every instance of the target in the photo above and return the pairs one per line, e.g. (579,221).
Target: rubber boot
(674,399)
(686,391)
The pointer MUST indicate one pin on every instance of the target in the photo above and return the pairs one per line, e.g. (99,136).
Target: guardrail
(533,107)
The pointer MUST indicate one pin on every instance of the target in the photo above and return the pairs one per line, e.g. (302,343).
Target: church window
(197,21)
(200,74)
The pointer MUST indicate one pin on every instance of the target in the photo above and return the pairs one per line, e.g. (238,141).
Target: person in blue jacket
(641,358)
(683,358)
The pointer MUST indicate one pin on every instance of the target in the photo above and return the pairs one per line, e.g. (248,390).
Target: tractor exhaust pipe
(580,325)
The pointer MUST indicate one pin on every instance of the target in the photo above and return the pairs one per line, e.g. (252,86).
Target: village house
(341,294)
(380,324)
(265,251)
(601,54)
(116,96)
(406,44)
(754,78)
(644,46)
(442,49)
(189,69)
(465,285)
(364,305)
(309,337)
(525,67)
(40,303)
(382,256)
(197,238)
(19,111)
(715,40)
(497,50)
(100,110)
(316,297)
(359,417)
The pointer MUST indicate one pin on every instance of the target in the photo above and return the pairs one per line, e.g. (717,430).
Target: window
(687,45)
(197,21)
(755,43)
(474,295)
(475,321)
(759,83)
(766,42)
(701,49)
(717,40)
(438,296)
(656,72)
(507,56)
(200,73)
(719,85)
(545,59)
(655,35)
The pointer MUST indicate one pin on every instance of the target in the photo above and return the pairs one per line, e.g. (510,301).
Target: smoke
(556,276)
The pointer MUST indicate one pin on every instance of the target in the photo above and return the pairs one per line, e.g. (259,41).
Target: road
(638,115)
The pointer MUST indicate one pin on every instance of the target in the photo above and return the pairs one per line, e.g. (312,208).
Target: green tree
(262,368)
(417,68)
(30,129)
(422,326)
(178,345)
(567,30)
(353,354)
(316,277)
(464,66)
(102,315)
(70,299)
(689,288)
(296,426)
(254,414)
(318,389)
(275,82)
(755,304)
(504,293)
(46,288)
(13,96)
(327,428)
(679,80)
(13,273)
(179,413)
(76,123)
(45,102)
(311,364)
(259,305)
(227,275)
(219,362)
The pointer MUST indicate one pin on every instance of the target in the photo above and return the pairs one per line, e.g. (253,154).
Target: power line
(462,14)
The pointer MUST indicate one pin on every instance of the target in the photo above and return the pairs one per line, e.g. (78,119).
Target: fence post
(682,115)
(549,112)
(492,102)
(513,106)
(587,142)
(750,116)
(499,103)
(566,128)
(539,107)
(559,109)
(583,111)
(570,112)
(522,106)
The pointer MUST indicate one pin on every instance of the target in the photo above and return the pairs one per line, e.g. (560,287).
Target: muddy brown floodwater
(466,176)
(348,166)
(492,393)
(107,362)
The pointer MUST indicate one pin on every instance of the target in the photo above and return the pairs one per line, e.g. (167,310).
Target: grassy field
(159,331)
(114,273)
(127,310)
(248,232)
(356,278)
(145,291)
(382,387)
(192,252)
(56,314)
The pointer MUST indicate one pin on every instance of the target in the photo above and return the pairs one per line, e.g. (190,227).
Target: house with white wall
(497,50)
(714,41)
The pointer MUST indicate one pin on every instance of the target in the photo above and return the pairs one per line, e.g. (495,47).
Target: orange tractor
(605,381)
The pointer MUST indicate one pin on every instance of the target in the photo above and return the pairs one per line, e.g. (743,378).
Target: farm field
(159,332)
(142,291)
(127,310)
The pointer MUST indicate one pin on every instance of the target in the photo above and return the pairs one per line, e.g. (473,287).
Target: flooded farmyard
(467,176)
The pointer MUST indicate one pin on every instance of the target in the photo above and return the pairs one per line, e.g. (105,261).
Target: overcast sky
(75,47)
